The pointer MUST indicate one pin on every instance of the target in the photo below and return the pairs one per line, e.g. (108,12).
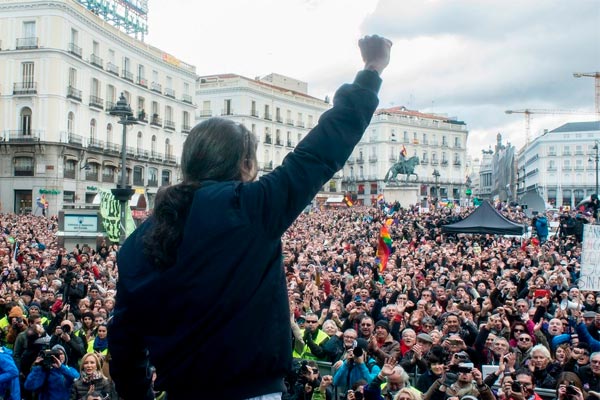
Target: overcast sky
(468,59)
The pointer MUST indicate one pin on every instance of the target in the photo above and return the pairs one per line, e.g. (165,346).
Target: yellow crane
(596,76)
(528,111)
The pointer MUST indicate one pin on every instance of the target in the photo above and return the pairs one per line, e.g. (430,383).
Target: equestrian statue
(402,167)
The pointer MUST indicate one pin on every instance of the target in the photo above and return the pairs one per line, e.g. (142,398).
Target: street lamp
(123,192)
(436,175)
(596,159)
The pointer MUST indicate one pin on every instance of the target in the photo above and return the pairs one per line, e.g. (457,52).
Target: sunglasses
(311,322)
(524,339)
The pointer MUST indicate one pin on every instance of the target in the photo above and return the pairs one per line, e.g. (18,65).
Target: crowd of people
(450,316)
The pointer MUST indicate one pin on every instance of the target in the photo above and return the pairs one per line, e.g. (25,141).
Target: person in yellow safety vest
(100,343)
(35,311)
(18,324)
(312,340)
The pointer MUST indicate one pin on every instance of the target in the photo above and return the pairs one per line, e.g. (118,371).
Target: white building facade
(62,69)
(438,142)
(277,109)
(561,165)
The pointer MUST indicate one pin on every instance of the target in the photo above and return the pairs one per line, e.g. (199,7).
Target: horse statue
(406,167)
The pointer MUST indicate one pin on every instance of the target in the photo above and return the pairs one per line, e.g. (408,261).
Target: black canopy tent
(485,219)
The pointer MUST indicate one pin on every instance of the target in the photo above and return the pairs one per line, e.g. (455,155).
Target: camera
(465,368)
(66,329)
(516,386)
(48,359)
(357,351)
(571,391)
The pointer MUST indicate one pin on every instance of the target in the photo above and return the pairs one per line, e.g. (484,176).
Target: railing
(169,125)
(23,135)
(74,49)
(254,113)
(69,173)
(73,93)
(185,128)
(75,139)
(579,168)
(156,121)
(96,144)
(360,160)
(156,155)
(96,102)
(551,153)
(187,98)
(444,162)
(141,153)
(156,87)
(130,151)
(112,68)
(392,158)
(169,92)
(424,162)
(278,142)
(434,162)
(268,140)
(112,148)
(300,124)
(268,116)
(138,181)
(91,176)
(153,183)
(289,143)
(110,105)
(27,43)
(27,88)
(127,75)
(227,111)
(170,158)
(457,162)
(23,171)
(372,158)
(289,121)
(350,161)
(205,113)
(97,61)
(278,119)
(142,116)
(108,178)
(142,81)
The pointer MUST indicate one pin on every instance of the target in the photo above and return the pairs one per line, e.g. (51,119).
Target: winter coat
(52,384)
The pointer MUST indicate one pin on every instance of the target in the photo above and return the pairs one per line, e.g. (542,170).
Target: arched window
(109,133)
(168,149)
(25,128)
(138,175)
(92,130)
(166,177)
(70,123)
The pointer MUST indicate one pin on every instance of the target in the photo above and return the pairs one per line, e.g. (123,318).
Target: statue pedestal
(405,194)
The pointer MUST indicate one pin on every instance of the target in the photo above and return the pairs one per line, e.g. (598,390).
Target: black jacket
(224,316)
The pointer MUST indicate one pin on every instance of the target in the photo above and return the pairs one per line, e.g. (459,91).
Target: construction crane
(528,111)
(596,76)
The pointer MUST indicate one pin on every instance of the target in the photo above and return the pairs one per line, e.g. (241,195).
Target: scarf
(90,378)
(100,344)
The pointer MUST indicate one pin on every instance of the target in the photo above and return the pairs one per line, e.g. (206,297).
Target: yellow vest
(306,354)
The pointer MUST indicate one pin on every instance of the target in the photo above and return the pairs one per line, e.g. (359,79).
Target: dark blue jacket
(223,315)
(53,384)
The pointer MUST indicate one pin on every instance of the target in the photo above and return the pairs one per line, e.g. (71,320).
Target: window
(109,133)
(168,113)
(152,177)
(70,122)
(25,128)
(186,88)
(27,70)
(74,36)
(96,48)
(140,142)
(29,29)
(166,177)
(95,87)
(126,64)
(138,175)
(91,173)
(23,166)
(111,56)
(110,94)
(141,73)
(253,109)
(69,171)
(227,107)
(153,144)
(92,130)
(168,148)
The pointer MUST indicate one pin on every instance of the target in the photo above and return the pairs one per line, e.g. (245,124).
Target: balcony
(278,142)
(205,113)
(127,75)
(552,169)
(27,43)
(289,143)
(108,178)
(112,68)
(154,155)
(457,162)
(23,135)
(74,49)
(434,162)
(268,139)
(73,93)
(156,121)
(227,111)
(170,125)
(444,144)
(289,122)
(69,173)
(278,119)
(91,175)
(372,158)
(112,148)
(579,168)
(424,162)
(185,128)
(153,182)
(187,98)
(142,116)
(551,153)
(566,153)
(578,152)
(130,151)
(360,160)
(143,154)
(300,124)
(350,161)
(169,92)
(138,181)
(97,61)
(392,158)
(96,102)
(254,113)
(142,81)
(74,139)
(444,162)
(110,105)
(96,144)
(156,87)
(25,88)
(170,158)
(267,116)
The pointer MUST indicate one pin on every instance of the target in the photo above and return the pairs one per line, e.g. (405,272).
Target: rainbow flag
(403,152)
(380,198)
(384,248)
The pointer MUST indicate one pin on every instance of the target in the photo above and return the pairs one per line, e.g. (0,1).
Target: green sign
(91,188)
(468,192)
(49,191)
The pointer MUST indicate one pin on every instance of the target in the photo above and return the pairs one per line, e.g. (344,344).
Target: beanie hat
(35,304)
(59,347)
(15,312)
(383,323)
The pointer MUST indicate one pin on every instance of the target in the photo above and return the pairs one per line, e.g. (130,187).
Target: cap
(589,314)
(425,337)
(384,324)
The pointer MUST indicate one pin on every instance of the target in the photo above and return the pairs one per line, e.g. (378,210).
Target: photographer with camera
(459,381)
(18,324)
(520,386)
(355,368)
(569,387)
(73,345)
(51,378)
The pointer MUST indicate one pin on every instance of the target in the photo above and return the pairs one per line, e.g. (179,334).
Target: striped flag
(380,198)
(348,201)
(403,152)
(384,248)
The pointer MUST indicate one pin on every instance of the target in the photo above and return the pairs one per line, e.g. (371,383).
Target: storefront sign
(81,223)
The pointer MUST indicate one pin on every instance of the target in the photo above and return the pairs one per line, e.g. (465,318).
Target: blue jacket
(9,375)
(541,226)
(351,372)
(223,305)
(586,337)
(55,384)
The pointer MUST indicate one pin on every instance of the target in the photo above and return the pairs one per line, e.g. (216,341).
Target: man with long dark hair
(209,263)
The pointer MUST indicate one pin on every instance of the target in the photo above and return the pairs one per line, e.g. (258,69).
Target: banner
(110,209)
(590,258)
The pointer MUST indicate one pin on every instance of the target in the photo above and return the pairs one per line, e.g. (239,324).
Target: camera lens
(357,351)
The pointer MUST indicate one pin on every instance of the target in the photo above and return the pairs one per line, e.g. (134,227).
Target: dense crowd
(450,316)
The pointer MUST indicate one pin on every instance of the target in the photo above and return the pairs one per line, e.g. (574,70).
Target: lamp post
(468,192)
(436,175)
(123,192)
(596,160)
